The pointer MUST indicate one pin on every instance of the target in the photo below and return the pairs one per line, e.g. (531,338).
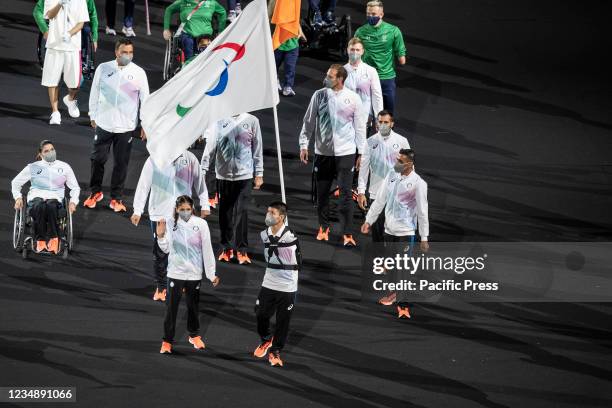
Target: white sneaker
(56,118)
(128,31)
(73,106)
(231,16)
(110,31)
(288,91)
(238,9)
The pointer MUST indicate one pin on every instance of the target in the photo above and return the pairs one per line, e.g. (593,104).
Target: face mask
(185,215)
(328,83)
(124,59)
(271,220)
(201,49)
(50,157)
(385,130)
(354,57)
(399,167)
(373,20)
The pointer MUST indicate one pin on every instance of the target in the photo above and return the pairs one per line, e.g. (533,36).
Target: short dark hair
(385,112)
(340,71)
(409,153)
(280,206)
(204,37)
(122,41)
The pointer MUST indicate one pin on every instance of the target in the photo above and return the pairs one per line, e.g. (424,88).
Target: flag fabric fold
(286,17)
(235,74)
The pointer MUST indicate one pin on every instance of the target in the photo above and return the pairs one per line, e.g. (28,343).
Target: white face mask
(354,57)
(271,220)
(124,59)
(185,215)
(384,129)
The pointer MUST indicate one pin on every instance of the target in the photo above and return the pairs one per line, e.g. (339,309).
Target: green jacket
(201,21)
(383,44)
(39,17)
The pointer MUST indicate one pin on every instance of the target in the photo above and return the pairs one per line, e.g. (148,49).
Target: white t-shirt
(68,16)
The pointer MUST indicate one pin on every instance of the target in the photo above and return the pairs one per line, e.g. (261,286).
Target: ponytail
(184,199)
(41,146)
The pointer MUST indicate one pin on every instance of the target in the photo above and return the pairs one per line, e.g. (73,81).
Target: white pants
(58,62)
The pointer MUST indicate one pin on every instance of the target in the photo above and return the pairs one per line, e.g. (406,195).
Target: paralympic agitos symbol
(223,79)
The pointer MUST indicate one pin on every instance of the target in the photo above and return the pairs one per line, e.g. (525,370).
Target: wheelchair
(174,57)
(22,230)
(332,36)
(88,56)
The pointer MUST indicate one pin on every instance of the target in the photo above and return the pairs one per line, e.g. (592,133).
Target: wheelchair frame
(329,37)
(22,239)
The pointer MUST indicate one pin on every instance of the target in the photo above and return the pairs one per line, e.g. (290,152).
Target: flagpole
(280,157)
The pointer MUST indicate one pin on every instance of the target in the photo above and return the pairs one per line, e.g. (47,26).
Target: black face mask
(201,49)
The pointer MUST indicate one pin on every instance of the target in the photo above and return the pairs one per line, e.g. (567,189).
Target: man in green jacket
(383,43)
(196,18)
(93,22)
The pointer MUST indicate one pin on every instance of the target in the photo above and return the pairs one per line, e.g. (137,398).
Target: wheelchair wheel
(19,228)
(174,58)
(69,233)
(40,50)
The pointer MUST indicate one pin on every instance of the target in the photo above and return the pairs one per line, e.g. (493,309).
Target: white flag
(235,74)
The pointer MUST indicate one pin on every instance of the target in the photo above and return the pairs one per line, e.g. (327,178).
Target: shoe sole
(265,352)
(195,347)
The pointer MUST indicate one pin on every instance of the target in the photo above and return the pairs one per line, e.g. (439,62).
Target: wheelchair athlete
(196,18)
(48,178)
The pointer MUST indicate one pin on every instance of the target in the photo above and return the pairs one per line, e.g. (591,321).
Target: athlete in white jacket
(334,118)
(363,80)
(379,155)
(118,90)
(236,145)
(186,238)
(163,186)
(403,196)
(48,179)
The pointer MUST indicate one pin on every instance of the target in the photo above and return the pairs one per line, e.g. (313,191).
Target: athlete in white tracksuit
(236,145)
(163,186)
(379,155)
(186,240)
(403,196)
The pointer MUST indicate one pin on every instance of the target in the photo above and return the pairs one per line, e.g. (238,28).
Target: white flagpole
(280,157)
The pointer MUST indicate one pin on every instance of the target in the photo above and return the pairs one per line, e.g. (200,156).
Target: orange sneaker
(262,349)
(197,342)
(117,206)
(41,246)
(226,255)
(158,294)
(243,258)
(213,202)
(93,199)
(53,245)
(349,241)
(275,359)
(403,312)
(166,348)
(388,300)
(323,235)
